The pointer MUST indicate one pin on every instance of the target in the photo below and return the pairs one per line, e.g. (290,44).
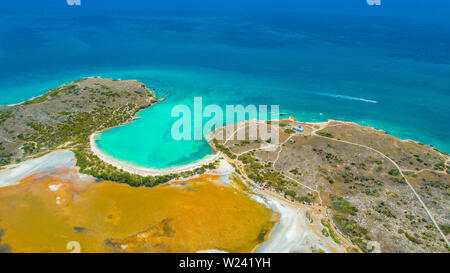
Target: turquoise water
(151,135)
(392,74)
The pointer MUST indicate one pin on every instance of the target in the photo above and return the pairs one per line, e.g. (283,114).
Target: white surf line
(339,96)
(331,95)
(347,97)
(401,172)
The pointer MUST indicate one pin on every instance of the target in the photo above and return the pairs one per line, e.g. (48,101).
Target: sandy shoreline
(143,171)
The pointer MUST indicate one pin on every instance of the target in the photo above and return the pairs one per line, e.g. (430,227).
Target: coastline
(143,171)
(43,94)
(129,167)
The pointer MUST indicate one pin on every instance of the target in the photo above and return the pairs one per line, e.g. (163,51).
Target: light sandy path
(299,183)
(289,224)
(280,146)
(400,171)
(309,188)
(281,149)
(7,140)
(240,126)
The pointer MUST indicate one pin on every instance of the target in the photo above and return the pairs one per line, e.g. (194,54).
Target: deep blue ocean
(386,66)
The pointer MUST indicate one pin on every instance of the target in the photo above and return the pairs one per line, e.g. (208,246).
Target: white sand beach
(148,171)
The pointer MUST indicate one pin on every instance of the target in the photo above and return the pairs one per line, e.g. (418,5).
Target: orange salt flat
(46,211)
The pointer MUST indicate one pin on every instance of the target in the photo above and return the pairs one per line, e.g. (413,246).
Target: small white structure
(299,128)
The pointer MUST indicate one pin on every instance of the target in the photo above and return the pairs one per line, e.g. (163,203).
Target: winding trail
(5,139)
(239,127)
(400,171)
(299,183)
(313,133)
(319,208)
(240,167)
(281,149)
(309,188)
(278,155)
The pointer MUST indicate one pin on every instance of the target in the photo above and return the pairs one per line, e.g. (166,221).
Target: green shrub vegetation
(4,115)
(73,128)
(325,134)
(445,229)
(439,166)
(373,192)
(330,232)
(291,193)
(78,126)
(382,208)
(53,93)
(356,233)
(309,198)
(413,239)
(223,149)
(90,164)
(394,172)
(342,205)
(263,174)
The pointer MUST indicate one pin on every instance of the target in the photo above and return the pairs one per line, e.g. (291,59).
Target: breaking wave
(342,97)
(330,95)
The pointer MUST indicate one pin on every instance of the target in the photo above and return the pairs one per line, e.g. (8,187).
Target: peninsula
(366,190)
(70,116)
(382,193)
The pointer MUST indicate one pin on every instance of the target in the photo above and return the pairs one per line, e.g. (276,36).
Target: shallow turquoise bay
(148,142)
(373,74)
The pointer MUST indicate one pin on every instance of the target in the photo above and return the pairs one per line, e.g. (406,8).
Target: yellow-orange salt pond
(45,212)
